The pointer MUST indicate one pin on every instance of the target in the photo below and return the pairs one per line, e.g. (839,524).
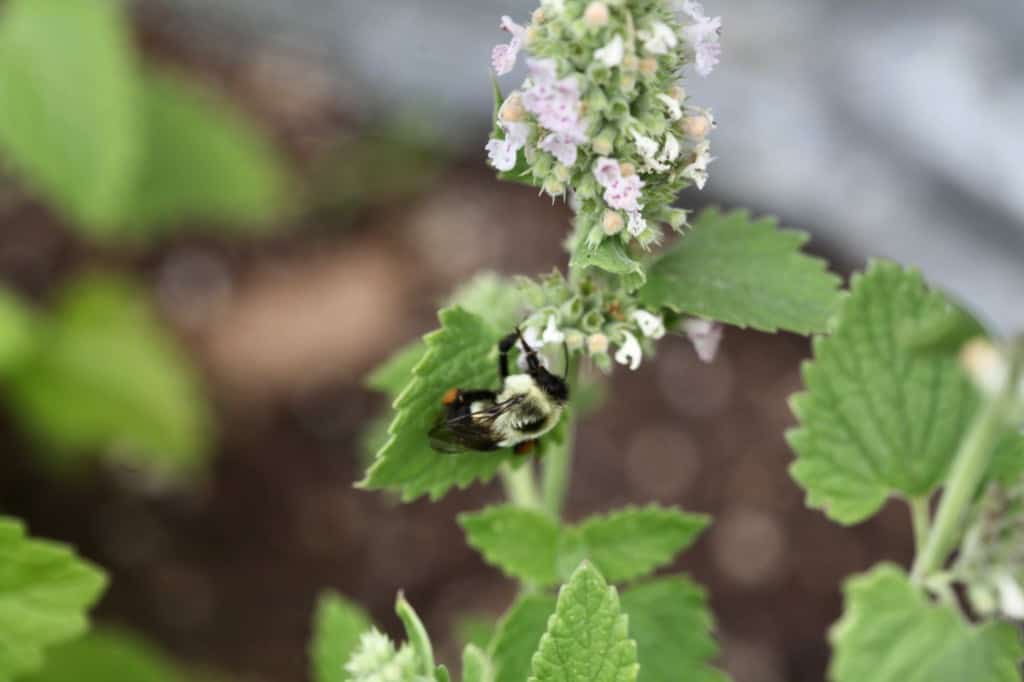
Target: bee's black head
(555,386)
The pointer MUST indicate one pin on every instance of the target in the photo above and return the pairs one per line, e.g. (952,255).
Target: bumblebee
(525,408)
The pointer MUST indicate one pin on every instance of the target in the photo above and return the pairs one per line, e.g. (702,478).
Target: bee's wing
(469,431)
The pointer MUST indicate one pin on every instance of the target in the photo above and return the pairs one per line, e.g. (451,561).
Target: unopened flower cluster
(602,324)
(991,561)
(377,660)
(602,116)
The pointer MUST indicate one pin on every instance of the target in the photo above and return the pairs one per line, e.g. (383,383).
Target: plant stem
(520,486)
(558,461)
(969,467)
(920,516)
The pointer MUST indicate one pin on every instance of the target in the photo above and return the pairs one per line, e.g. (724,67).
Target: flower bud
(677,218)
(627,169)
(612,223)
(531,35)
(596,15)
(538,15)
(597,343)
(678,92)
(573,340)
(561,173)
(554,187)
(695,127)
(648,66)
(512,111)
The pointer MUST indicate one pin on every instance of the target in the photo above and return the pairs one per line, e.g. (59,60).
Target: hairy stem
(920,516)
(969,467)
(520,486)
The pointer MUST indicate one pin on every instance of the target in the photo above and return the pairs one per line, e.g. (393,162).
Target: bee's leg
(526,447)
(504,346)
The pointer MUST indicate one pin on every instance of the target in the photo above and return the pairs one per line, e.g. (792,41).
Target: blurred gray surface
(888,129)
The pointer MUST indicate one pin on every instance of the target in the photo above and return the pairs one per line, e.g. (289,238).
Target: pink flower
(606,171)
(705,336)
(554,101)
(563,145)
(503,57)
(702,36)
(624,193)
(502,153)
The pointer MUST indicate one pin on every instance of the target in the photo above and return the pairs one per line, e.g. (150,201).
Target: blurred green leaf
(518,636)
(392,376)
(671,623)
(475,628)
(106,376)
(107,655)
(476,667)
(877,418)
(1007,465)
(71,118)
(17,331)
(625,544)
(337,626)
(202,160)
(632,542)
(890,632)
(462,353)
(744,272)
(587,638)
(945,329)
(45,591)
(416,635)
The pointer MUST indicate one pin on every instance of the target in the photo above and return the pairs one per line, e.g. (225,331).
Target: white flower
(503,57)
(698,169)
(660,39)
(502,153)
(611,54)
(705,336)
(629,352)
(648,149)
(651,325)
(675,111)
(535,341)
(1011,598)
(670,152)
(637,223)
(606,171)
(563,145)
(702,36)
(552,334)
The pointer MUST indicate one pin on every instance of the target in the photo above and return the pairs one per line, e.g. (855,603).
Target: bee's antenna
(531,353)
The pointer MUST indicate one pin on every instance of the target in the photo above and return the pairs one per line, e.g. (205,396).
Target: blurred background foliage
(217,217)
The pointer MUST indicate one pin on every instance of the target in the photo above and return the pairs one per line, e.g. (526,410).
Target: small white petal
(552,334)
(670,152)
(660,39)
(705,336)
(675,111)
(611,54)
(629,352)
(650,324)
(1011,597)
(637,223)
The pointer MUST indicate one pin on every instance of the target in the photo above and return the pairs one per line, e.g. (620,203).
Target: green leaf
(476,667)
(441,674)
(45,591)
(523,543)
(496,299)
(877,418)
(71,116)
(748,273)
(202,161)
(611,256)
(108,655)
(944,330)
(626,544)
(518,636)
(132,388)
(587,639)
(17,330)
(633,542)
(890,632)
(392,376)
(671,623)
(416,635)
(463,353)
(337,626)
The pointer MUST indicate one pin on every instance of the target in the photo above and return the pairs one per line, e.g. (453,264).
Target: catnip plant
(906,394)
